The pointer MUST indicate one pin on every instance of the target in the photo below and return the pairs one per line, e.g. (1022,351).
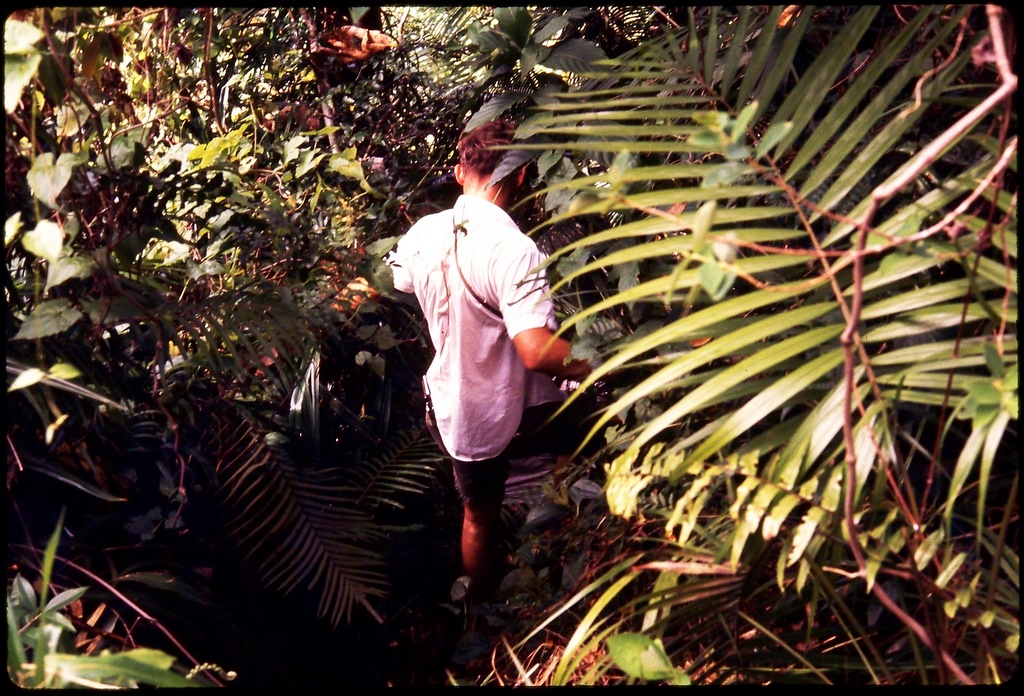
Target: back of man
(477,382)
(492,326)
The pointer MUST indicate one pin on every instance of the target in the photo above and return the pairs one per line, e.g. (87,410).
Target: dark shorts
(484,481)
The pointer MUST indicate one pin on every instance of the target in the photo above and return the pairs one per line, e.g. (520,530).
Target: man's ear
(460,176)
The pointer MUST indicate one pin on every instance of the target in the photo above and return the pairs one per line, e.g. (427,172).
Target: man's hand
(542,352)
(353,294)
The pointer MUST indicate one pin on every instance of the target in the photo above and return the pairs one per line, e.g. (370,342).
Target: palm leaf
(734,205)
(307,525)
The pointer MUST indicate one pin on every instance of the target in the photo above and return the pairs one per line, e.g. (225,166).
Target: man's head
(476,148)
(479,157)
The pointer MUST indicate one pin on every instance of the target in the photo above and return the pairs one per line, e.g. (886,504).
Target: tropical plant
(810,214)
(194,354)
(787,234)
(40,654)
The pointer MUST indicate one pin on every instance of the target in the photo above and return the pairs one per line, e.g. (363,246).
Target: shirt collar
(466,206)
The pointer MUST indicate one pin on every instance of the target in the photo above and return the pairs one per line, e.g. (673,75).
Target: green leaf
(49,556)
(984,392)
(737,151)
(950,570)
(512,160)
(531,55)
(724,174)
(994,361)
(969,452)
(65,598)
(1010,386)
(167,583)
(126,149)
(384,338)
(70,119)
(32,375)
(308,161)
(574,55)
(16,656)
(712,142)
(21,62)
(49,318)
(66,268)
(515,23)
(47,178)
(891,262)
(345,166)
(291,148)
(128,669)
(208,267)
(23,597)
(639,656)
(554,26)
(11,228)
(58,473)
(715,280)
(771,137)
(926,551)
(541,514)
(738,128)
(493,108)
(376,362)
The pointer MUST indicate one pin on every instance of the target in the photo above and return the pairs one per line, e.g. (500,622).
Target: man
(492,326)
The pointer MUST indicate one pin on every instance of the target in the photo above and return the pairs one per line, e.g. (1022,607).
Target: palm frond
(299,523)
(736,164)
(405,464)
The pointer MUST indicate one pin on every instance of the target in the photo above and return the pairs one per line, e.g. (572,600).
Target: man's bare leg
(480,550)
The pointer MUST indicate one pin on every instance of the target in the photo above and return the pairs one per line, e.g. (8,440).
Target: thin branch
(136,608)
(326,103)
(211,83)
(79,92)
(881,194)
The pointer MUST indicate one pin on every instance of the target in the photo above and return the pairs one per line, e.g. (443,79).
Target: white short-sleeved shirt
(478,384)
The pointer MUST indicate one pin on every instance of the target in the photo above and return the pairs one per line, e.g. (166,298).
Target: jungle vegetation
(786,235)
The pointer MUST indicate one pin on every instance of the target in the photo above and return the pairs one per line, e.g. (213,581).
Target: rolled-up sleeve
(399,261)
(525,300)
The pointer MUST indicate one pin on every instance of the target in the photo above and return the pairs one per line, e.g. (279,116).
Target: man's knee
(481,512)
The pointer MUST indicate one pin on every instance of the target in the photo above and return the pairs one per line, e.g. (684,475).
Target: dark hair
(476,148)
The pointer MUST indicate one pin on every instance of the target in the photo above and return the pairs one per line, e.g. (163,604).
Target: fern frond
(302,524)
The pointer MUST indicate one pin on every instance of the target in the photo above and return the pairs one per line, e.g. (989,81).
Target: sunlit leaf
(639,656)
(926,551)
(129,668)
(18,73)
(31,376)
(46,240)
(20,60)
(19,37)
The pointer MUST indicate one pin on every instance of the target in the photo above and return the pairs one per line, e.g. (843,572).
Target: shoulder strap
(465,282)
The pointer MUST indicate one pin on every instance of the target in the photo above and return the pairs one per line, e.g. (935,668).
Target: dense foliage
(786,235)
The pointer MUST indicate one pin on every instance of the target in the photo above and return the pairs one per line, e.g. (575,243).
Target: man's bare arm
(542,354)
